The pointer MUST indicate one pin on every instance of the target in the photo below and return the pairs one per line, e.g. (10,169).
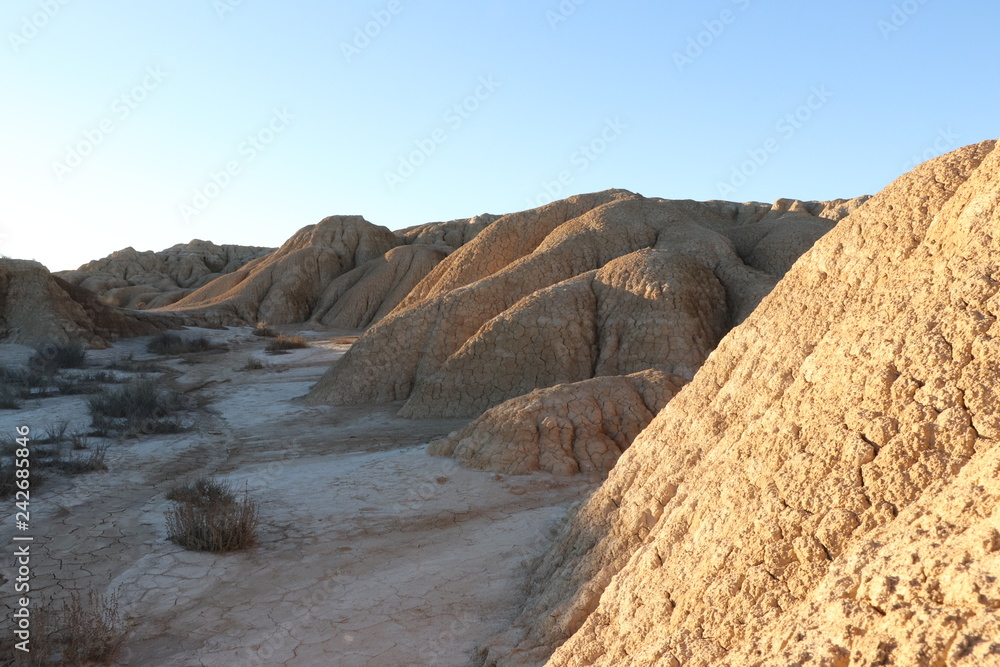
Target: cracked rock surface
(582,287)
(37,307)
(581,427)
(597,286)
(284,286)
(133,279)
(825,491)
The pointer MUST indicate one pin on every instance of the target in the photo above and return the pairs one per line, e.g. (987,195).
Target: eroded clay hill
(826,491)
(37,307)
(133,279)
(341,272)
(604,285)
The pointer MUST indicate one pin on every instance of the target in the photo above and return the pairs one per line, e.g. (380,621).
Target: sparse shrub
(92,463)
(78,440)
(203,492)
(264,330)
(137,407)
(27,383)
(128,364)
(169,342)
(55,432)
(55,356)
(90,383)
(8,482)
(9,398)
(282,343)
(213,521)
(253,364)
(82,630)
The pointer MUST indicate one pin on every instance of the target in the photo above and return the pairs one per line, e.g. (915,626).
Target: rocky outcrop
(287,285)
(37,308)
(133,279)
(609,283)
(826,490)
(369,292)
(581,427)
(447,235)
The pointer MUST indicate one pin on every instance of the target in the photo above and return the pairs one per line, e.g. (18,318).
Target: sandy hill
(826,491)
(342,272)
(594,288)
(37,307)
(134,279)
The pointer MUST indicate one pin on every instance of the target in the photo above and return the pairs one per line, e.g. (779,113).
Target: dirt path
(371,552)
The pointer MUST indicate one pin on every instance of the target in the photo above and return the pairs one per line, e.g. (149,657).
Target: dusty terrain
(371,552)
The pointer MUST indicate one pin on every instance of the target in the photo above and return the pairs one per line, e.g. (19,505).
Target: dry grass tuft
(208,517)
(282,343)
(82,630)
(172,343)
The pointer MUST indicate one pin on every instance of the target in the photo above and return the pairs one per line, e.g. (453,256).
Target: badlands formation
(602,306)
(793,408)
(133,279)
(37,307)
(827,489)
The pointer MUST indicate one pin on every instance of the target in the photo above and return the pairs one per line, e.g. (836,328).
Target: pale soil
(371,552)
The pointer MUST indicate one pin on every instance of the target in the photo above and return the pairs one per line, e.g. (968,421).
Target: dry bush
(253,364)
(264,330)
(203,492)
(128,364)
(140,406)
(217,526)
(282,343)
(172,343)
(9,398)
(82,630)
(55,356)
(93,462)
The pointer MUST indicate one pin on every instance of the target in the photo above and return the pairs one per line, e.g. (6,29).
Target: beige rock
(581,427)
(825,490)
(133,279)
(603,284)
(446,235)
(286,285)
(368,293)
(37,308)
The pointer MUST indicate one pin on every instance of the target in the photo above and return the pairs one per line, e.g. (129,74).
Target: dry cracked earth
(370,553)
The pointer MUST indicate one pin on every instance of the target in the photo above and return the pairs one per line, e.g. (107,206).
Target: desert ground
(370,551)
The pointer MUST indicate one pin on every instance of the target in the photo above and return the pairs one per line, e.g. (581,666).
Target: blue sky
(149,124)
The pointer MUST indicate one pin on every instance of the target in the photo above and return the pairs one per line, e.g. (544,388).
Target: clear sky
(147,124)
